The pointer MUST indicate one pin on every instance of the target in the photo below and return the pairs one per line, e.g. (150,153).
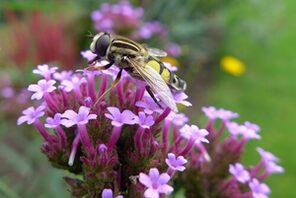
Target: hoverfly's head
(179,84)
(100,44)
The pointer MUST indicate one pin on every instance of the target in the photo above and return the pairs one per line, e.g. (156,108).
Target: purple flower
(148,105)
(272,168)
(267,156)
(194,133)
(80,118)
(145,121)
(269,161)
(88,55)
(114,17)
(45,71)
(247,132)
(180,97)
(252,126)
(156,184)
(73,84)
(41,88)
(30,115)
(259,190)
(64,75)
(108,193)
(53,122)
(176,163)
(226,114)
(118,118)
(178,119)
(7,92)
(233,128)
(212,113)
(173,49)
(239,173)
(151,28)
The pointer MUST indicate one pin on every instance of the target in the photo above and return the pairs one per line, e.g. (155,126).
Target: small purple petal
(30,115)
(239,173)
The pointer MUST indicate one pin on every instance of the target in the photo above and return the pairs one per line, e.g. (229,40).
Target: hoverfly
(140,62)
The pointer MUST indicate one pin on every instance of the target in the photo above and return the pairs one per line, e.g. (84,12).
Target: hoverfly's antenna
(89,35)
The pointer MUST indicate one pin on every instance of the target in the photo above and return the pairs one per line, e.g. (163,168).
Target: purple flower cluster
(222,160)
(125,19)
(126,145)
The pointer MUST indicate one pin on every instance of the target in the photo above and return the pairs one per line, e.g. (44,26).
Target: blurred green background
(261,34)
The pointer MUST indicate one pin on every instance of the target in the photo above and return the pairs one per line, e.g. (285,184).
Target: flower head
(88,55)
(178,119)
(120,118)
(30,115)
(232,66)
(73,84)
(41,88)
(64,75)
(272,168)
(267,156)
(270,162)
(176,163)
(259,190)
(180,97)
(108,193)
(252,126)
(149,106)
(116,17)
(213,113)
(239,173)
(151,28)
(45,71)
(173,49)
(7,92)
(156,183)
(246,131)
(194,133)
(145,121)
(80,118)
(53,122)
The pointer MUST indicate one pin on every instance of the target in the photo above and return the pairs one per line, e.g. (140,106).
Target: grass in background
(266,94)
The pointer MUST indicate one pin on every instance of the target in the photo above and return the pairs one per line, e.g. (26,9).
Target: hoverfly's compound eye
(102,45)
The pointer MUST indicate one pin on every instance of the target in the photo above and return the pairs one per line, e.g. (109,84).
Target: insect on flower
(140,62)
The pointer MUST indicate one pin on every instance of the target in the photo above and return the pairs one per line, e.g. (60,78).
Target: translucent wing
(156,52)
(156,83)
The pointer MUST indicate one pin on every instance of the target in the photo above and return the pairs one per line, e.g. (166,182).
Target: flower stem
(114,137)
(164,114)
(91,86)
(75,145)
(188,147)
(85,139)
(165,135)
(42,130)
(62,136)
(103,84)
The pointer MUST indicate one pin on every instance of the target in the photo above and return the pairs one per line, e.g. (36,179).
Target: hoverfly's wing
(156,83)
(156,52)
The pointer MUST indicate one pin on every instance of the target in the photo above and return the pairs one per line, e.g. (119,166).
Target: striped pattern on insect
(140,62)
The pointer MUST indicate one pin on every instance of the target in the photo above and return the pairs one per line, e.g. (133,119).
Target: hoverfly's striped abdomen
(168,76)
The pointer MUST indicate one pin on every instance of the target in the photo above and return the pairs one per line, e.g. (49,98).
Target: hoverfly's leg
(92,66)
(115,82)
(95,59)
(153,96)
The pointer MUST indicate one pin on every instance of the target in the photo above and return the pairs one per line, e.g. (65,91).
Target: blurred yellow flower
(232,66)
